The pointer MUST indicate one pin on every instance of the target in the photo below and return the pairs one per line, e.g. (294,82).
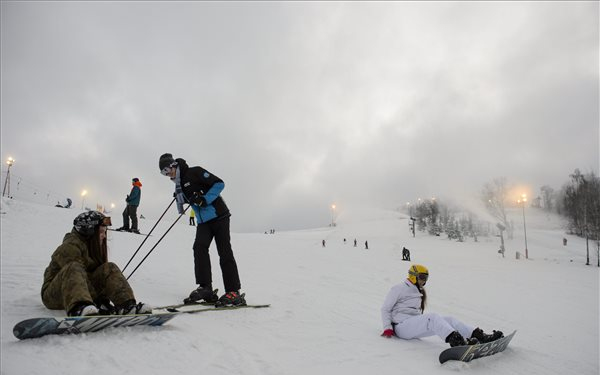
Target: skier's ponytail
(423,299)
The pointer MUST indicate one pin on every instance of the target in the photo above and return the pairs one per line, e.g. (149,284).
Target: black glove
(198,199)
(127,198)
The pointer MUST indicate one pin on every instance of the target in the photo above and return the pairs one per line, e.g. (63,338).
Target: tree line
(578,201)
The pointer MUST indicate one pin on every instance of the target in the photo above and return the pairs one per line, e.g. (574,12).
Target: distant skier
(366,245)
(192,217)
(323,243)
(79,278)
(355,242)
(405,254)
(66,205)
(130,212)
(202,190)
(402,315)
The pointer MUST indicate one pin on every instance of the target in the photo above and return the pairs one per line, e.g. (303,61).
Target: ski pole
(148,235)
(157,242)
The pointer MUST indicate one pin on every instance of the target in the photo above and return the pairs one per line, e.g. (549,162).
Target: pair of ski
(38,327)
(128,231)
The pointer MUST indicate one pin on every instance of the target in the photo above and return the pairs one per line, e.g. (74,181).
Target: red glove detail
(388,333)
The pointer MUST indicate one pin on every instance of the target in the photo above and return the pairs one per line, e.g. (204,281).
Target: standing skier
(192,218)
(201,189)
(133,201)
(402,315)
(80,279)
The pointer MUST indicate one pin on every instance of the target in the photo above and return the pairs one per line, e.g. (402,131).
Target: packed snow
(325,301)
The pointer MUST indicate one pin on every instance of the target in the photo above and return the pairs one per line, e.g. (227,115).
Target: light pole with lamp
(333,215)
(522,201)
(10,161)
(83,194)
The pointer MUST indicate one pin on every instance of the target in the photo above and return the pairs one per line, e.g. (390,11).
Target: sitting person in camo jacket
(81,280)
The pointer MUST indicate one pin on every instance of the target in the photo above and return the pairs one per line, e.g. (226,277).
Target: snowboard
(469,352)
(38,327)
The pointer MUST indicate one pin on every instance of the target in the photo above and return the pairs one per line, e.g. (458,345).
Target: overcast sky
(298,105)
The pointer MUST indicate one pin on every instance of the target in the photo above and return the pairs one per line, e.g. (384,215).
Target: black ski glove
(198,199)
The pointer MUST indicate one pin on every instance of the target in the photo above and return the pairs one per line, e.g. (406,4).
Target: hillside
(325,316)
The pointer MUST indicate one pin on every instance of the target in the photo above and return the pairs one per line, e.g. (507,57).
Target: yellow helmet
(415,270)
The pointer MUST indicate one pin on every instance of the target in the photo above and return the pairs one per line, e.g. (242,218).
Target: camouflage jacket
(73,249)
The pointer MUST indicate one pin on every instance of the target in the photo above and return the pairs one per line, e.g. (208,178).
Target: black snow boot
(456,339)
(484,337)
(231,299)
(205,293)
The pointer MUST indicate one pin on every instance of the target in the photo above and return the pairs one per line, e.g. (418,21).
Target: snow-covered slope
(324,317)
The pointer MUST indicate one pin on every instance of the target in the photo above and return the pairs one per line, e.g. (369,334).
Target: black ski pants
(130,212)
(205,232)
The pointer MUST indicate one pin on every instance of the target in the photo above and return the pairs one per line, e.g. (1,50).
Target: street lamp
(10,161)
(83,194)
(522,200)
(333,215)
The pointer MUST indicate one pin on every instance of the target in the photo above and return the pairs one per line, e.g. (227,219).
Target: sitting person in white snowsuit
(402,315)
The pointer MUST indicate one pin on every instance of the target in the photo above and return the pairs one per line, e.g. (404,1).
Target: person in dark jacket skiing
(405,254)
(202,190)
(133,201)
(81,280)
(402,315)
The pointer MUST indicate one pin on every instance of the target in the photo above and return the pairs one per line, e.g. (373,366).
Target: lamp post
(522,201)
(10,161)
(333,215)
(83,194)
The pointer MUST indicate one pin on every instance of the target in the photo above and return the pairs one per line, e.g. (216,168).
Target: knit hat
(166,160)
(135,179)
(86,222)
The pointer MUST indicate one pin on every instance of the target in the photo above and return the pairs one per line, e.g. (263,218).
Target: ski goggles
(106,221)
(165,171)
(423,276)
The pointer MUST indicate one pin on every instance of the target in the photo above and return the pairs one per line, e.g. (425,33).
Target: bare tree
(547,197)
(494,196)
(581,205)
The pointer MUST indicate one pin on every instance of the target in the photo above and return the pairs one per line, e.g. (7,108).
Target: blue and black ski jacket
(203,190)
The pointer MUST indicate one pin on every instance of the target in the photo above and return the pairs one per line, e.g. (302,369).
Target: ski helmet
(86,223)
(166,161)
(417,271)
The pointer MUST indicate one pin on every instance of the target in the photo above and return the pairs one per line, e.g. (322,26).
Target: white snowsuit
(402,307)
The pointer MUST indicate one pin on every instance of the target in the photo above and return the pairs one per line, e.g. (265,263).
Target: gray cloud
(298,105)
